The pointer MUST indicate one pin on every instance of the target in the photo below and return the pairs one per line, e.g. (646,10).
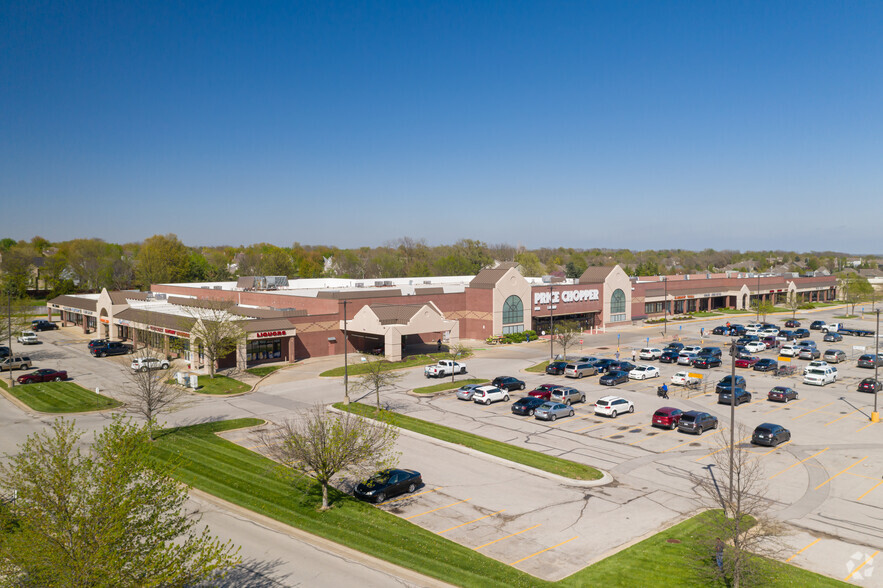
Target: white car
(650,353)
(790,350)
(28,338)
(691,349)
(613,406)
(755,346)
(683,378)
(685,358)
(818,363)
(142,364)
(642,372)
(488,394)
(768,332)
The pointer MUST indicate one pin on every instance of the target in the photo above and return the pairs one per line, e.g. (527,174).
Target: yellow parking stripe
(774,448)
(841,418)
(802,550)
(841,472)
(870,559)
(871,490)
(865,427)
(589,427)
(543,551)
(617,433)
(798,463)
(785,405)
(812,411)
(412,495)
(472,521)
(506,537)
(435,509)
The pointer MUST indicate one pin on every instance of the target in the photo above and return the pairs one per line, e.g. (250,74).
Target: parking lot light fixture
(732,413)
(875,416)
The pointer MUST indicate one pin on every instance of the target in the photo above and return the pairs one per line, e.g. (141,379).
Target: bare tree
(213,326)
(150,391)
(377,378)
(322,444)
(738,532)
(793,303)
(566,334)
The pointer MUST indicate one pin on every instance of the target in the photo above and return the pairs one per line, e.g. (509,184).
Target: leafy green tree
(106,517)
(530,264)
(89,260)
(855,289)
(161,259)
(16,268)
(214,328)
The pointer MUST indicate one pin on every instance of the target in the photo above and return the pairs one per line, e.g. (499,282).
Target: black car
(706,361)
(785,336)
(669,356)
(801,333)
(721,330)
(724,385)
(792,324)
(110,348)
(740,351)
(43,325)
(742,396)
(675,346)
(696,422)
(508,383)
(746,339)
(388,483)
(817,325)
(832,337)
(766,365)
(713,351)
(737,330)
(770,435)
(556,368)
(623,366)
(96,343)
(869,385)
(614,377)
(869,360)
(4,351)
(782,394)
(526,406)
(603,365)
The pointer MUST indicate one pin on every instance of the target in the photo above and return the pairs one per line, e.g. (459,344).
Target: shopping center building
(286,321)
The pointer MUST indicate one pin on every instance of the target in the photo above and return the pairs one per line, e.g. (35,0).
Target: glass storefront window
(263,349)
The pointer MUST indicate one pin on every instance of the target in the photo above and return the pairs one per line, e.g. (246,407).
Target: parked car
(388,483)
(692,349)
(832,337)
(649,353)
(721,330)
(508,383)
(809,353)
(791,323)
(789,351)
(817,325)
(543,391)
(726,383)
(466,392)
(781,394)
(142,364)
(578,370)
(44,375)
(801,333)
(785,336)
(741,394)
(642,372)
(712,351)
(613,406)
(669,356)
(613,378)
(28,338)
(746,362)
(770,435)
(567,396)
(869,385)
(686,358)
(675,345)
(746,339)
(805,343)
(111,348)
(771,342)
(869,360)
(740,351)
(820,376)
(556,368)
(684,378)
(623,366)
(667,417)
(550,411)
(817,363)
(696,422)
(4,351)
(755,346)
(706,361)
(96,343)
(527,406)
(15,362)
(766,365)
(43,325)
(834,356)
(737,330)
(603,365)
(488,394)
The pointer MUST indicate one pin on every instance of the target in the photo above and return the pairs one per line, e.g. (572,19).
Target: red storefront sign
(271,334)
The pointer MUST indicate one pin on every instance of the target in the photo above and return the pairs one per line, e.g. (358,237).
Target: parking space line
(865,427)
(589,427)
(472,521)
(721,449)
(690,441)
(813,410)
(657,435)
(544,551)
(773,449)
(870,559)
(617,433)
(506,537)
(784,405)
(802,550)
(842,417)
(841,472)
(798,463)
(435,509)
(413,495)
(871,490)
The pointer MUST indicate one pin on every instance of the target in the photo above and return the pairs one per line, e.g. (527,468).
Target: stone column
(291,357)
(241,361)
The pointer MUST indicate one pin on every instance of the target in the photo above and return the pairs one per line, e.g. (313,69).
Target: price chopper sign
(565,296)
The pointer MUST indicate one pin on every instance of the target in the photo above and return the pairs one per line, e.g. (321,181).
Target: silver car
(835,356)
(550,411)
(686,358)
(466,392)
(567,395)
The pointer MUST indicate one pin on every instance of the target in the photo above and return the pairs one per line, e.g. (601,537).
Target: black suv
(696,422)
(110,348)
(742,395)
(724,385)
(817,325)
(508,383)
(43,325)
(556,368)
(712,351)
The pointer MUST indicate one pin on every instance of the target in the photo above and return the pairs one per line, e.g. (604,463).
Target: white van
(819,376)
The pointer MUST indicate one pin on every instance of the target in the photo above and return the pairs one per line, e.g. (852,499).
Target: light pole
(875,416)
(757,301)
(551,326)
(346,387)
(9,329)
(665,308)
(732,412)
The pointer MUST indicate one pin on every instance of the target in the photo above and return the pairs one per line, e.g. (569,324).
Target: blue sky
(738,125)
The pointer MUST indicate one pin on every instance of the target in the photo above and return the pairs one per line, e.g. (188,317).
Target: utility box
(194,380)
(181,378)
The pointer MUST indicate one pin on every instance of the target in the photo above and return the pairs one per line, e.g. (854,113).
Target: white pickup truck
(444,367)
(819,376)
(28,338)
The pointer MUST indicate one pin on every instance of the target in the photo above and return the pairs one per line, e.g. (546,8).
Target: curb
(606,478)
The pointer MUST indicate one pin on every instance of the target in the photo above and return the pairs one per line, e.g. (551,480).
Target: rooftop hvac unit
(159,296)
(378,283)
(218,287)
(360,284)
(203,287)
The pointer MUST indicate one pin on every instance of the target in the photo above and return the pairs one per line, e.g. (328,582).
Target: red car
(44,375)
(782,394)
(543,391)
(747,362)
(667,417)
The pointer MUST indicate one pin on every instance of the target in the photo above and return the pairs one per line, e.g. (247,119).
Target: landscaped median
(247,479)
(356,369)
(539,368)
(60,397)
(528,457)
(448,385)
(221,386)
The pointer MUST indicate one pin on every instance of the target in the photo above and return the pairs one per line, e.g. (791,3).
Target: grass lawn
(356,369)
(221,385)
(845,316)
(60,397)
(541,461)
(448,385)
(705,314)
(539,368)
(243,477)
(263,370)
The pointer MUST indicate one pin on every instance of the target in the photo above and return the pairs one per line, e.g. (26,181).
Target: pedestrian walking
(634,355)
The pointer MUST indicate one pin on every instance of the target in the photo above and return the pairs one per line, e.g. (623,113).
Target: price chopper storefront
(600,298)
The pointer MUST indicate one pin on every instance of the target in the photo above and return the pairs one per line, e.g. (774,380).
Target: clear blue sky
(746,125)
